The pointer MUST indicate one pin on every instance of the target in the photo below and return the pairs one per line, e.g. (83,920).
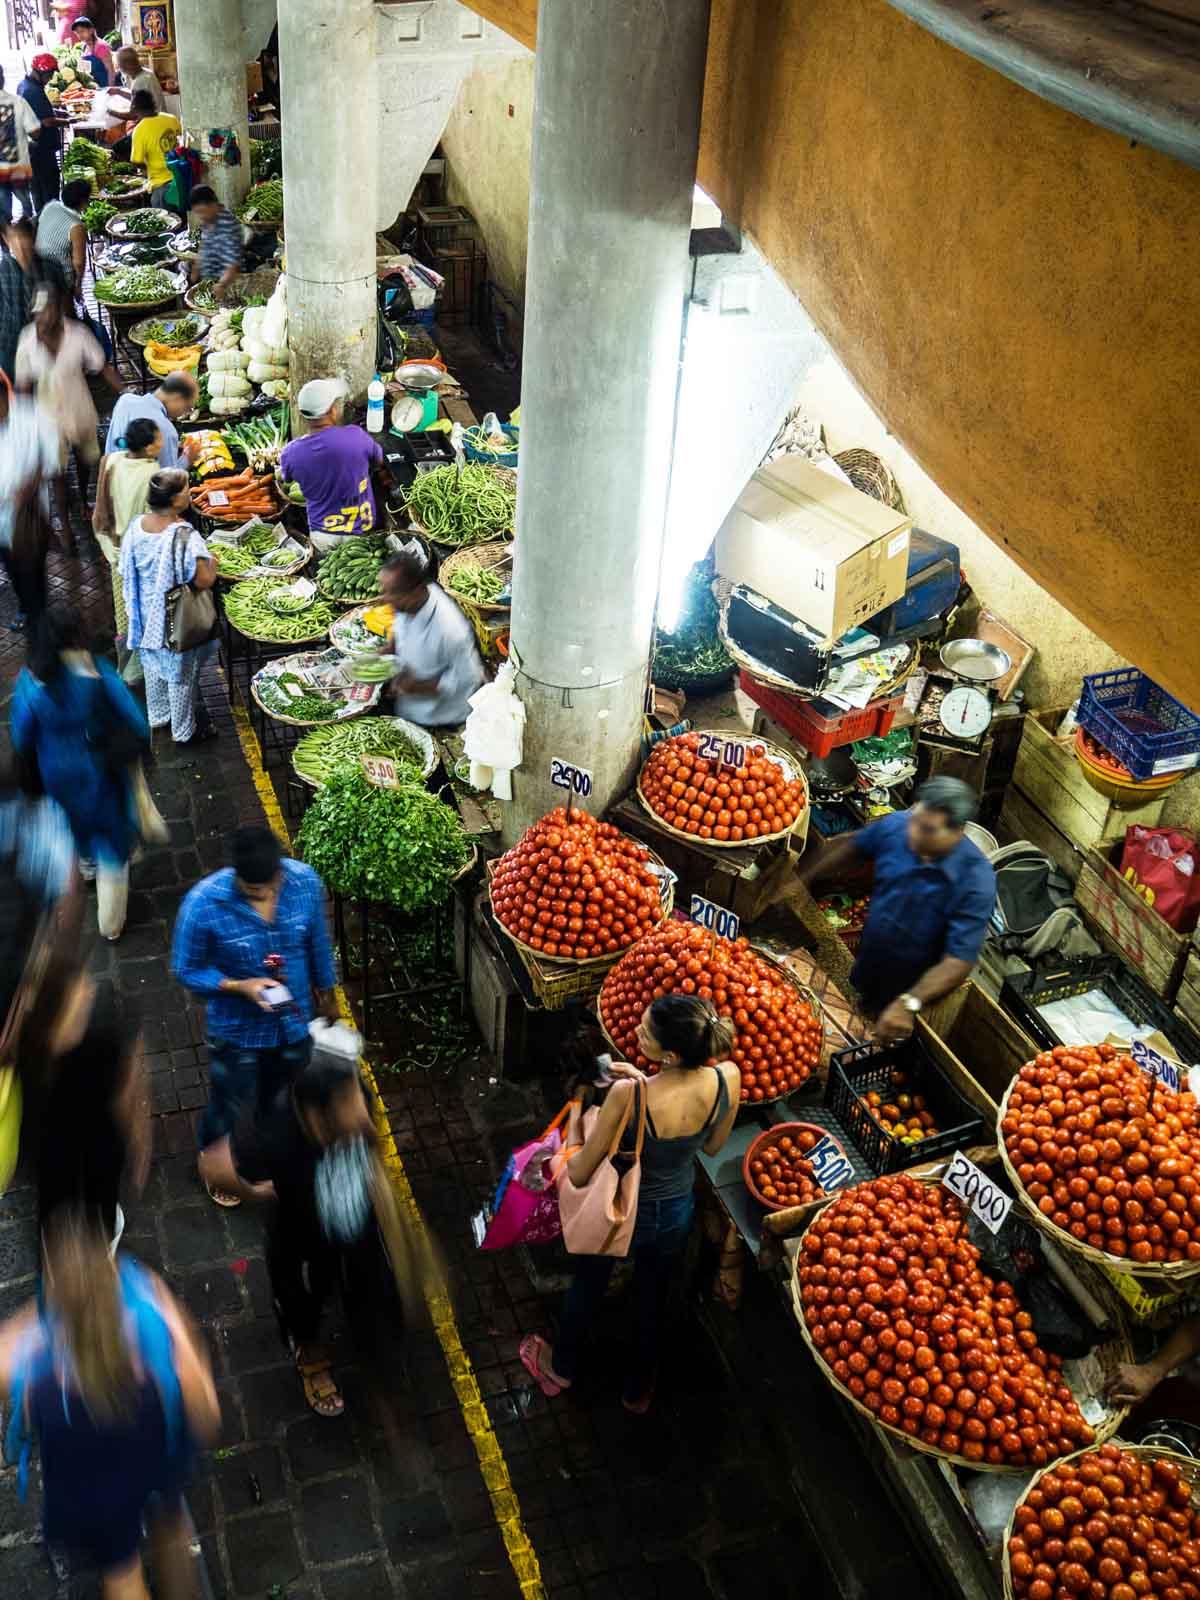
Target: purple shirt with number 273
(333,469)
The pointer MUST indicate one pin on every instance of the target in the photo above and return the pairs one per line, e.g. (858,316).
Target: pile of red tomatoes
(899,1308)
(1112,1525)
(778,1035)
(1100,1161)
(574,888)
(728,805)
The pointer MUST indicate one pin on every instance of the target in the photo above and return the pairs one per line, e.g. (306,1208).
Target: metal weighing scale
(417,407)
(966,711)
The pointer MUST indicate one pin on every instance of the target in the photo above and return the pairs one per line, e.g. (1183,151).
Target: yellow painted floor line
(505,1505)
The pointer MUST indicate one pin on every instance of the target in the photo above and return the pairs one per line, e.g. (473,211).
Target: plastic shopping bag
(1161,864)
(525,1207)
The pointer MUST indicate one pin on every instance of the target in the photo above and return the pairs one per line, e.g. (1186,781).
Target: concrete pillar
(210,40)
(330,181)
(616,129)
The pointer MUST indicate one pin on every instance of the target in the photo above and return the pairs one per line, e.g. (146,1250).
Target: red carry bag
(1163,865)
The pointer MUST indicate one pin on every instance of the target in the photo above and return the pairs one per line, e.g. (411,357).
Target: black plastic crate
(1023,992)
(854,1073)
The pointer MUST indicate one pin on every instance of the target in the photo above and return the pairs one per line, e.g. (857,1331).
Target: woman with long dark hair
(71,712)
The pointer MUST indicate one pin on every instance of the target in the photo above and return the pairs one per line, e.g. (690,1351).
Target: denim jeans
(659,1237)
(237,1076)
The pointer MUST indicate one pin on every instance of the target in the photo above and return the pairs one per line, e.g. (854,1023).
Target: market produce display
(719,803)
(779,1034)
(464,508)
(248,608)
(354,635)
(351,570)
(481,584)
(1099,1157)
(402,847)
(86,159)
(777,1169)
(901,1114)
(163,359)
(213,458)
(131,286)
(148,223)
(692,653)
(846,914)
(328,750)
(96,214)
(175,333)
(233,560)
(372,668)
(289,695)
(261,439)
(264,202)
(897,1305)
(266,159)
(1114,1523)
(237,496)
(574,889)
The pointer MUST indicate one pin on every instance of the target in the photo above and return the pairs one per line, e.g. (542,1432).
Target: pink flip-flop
(530,1351)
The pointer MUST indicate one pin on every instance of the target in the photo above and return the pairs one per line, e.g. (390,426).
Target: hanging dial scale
(966,710)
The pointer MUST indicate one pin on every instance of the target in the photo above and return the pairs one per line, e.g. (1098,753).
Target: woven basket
(868,473)
(1118,1351)
(419,736)
(382,645)
(475,555)
(506,476)
(256,571)
(792,768)
(1188,1469)
(292,664)
(592,963)
(1172,1272)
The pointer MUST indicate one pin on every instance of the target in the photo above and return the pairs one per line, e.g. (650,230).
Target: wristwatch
(910,1003)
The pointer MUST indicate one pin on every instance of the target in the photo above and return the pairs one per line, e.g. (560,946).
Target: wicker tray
(295,663)
(507,476)
(1172,1272)
(382,642)
(139,335)
(592,963)
(118,228)
(476,555)
(419,736)
(1188,1469)
(126,199)
(791,767)
(126,307)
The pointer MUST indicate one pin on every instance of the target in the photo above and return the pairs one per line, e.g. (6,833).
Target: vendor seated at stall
(1130,1384)
(440,665)
(933,897)
(338,467)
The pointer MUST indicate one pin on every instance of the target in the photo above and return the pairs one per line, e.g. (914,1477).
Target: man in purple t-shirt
(334,466)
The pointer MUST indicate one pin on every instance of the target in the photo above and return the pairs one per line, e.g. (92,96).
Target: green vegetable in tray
(694,650)
(95,215)
(482,584)
(291,697)
(325,750)
(351,570)
(151,220)
(264,203)
(372,668)
(178,332)
(401,847)
(464,508)
(248,608)
(283,557)
(233,560)
(203,295)
(124,169)
(83,157)
(131,286)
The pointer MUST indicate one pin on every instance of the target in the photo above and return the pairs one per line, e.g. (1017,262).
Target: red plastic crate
(818,733)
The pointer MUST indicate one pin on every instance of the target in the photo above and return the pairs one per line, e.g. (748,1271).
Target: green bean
(482,584)
(464,507)
(324,749)
(248,608)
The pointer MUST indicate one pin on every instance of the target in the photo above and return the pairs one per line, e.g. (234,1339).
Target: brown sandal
(320,1391)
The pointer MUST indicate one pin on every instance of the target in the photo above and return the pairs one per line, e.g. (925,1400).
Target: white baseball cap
(320,395)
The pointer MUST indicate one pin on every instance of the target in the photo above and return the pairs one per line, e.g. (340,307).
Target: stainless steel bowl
(975,659)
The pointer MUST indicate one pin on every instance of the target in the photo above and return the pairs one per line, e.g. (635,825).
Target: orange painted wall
(1015,291)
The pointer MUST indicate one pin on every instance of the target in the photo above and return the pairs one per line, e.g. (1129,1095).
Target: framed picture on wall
(152,28)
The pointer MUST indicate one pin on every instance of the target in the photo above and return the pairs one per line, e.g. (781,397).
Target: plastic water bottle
(376,394)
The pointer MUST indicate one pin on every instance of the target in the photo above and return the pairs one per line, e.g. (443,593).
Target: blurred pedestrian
(18,124)
(110,1379)
(16,288)
(310,1151)
(87,1102)
(72,712)
(43,151)
(61,243)
(220,256)
(37,875)
(122,485)
(159,551)
(55,355)
(29,459)
(175,396)
(240,934)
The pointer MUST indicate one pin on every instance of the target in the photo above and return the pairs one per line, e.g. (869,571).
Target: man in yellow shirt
(155,135)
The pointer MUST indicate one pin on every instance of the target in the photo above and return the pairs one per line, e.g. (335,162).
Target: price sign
(381,771)
(217,497)
(715,917)
(565,775)
(1169,1073)
(830,1166)
(977,1192)
(729,752)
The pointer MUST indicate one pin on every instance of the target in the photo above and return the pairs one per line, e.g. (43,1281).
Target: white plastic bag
(272,330)
(494,735)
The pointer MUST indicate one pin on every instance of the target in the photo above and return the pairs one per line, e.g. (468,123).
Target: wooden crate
(1048,775)
(985,1040)
(1021,819)
(1187,1000)
(1124,922)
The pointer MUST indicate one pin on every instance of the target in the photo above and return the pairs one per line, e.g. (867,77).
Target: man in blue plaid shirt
(220,258)
(241,933)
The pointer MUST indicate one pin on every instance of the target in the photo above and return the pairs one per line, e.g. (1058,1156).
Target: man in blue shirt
(175,396)
(43,152)
(931,903)
(241,933)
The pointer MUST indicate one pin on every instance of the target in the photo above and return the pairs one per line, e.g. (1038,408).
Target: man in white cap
(334,465)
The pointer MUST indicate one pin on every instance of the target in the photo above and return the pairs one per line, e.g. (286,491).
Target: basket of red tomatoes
(776,1168)
(726,791)
(1122,1520)
(779,1023)
(1106,1160)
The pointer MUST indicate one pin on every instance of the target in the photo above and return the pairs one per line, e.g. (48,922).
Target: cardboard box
(816,547)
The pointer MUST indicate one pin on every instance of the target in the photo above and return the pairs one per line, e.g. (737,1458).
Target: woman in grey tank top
(691,1104)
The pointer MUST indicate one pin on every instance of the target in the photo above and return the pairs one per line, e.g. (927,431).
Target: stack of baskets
(1134,740)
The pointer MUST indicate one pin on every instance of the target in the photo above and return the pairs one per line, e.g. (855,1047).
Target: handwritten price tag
(713,917)
(565,775)
(1169,1073)
(218,497)
(729,752)
(977,1192)
(380,771)
(830,1166)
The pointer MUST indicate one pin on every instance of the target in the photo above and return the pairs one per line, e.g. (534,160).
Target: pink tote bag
(598,1218)
(525,1206)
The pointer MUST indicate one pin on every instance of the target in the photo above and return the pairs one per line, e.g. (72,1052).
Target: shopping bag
(598,1217)
(525,1206)
(191,613)
(1161,864)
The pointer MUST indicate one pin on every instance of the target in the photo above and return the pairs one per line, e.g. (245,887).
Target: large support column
(210,39)
(616,129)
(330,181)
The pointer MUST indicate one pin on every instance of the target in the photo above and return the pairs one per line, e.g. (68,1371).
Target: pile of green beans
(247,607)
(324,749)
(463,508)
(482,584)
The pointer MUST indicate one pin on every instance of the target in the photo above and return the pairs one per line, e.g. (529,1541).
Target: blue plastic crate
(1139,723)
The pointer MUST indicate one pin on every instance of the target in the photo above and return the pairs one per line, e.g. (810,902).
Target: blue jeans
(659,1237)
(237,1076)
